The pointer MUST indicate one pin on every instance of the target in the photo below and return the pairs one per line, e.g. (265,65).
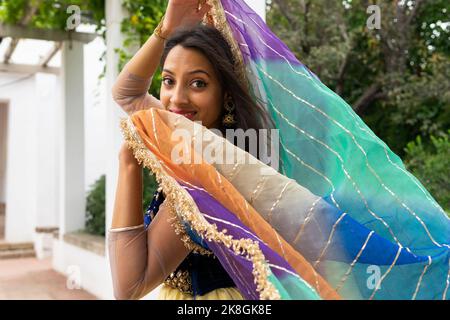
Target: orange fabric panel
(155,128)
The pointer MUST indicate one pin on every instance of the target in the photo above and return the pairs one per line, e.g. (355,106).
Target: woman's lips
(187,113)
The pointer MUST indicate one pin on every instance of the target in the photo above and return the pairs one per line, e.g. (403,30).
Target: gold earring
(229,119)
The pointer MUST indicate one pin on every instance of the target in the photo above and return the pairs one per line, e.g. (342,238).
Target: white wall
(87,270)
(21,141)
(3,139)
(84,268)
(95,112)
(45,149)
(31,185)
(31,178)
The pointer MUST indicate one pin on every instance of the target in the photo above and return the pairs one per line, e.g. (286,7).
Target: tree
(396,78)
(430,165)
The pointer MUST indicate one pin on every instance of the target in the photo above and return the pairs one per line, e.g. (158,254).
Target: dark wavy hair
(210,42)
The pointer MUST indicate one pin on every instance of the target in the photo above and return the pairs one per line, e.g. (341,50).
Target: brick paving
(34,279)
(2,220)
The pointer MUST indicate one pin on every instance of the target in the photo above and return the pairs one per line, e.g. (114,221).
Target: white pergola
(70,116)
(70,196)
(18,33)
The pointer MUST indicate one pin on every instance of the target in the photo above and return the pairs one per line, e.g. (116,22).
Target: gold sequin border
(180,280)
(185,209)
(218,18)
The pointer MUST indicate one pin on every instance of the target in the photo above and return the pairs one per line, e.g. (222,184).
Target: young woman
(199,83)
(343,219)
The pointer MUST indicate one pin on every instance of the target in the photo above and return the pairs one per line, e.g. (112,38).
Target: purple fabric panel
(237,266)
(239,269)
(250,29)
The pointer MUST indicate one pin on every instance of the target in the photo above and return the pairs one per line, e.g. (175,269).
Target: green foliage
(95,202)
(52,14)
(144,17)
(95,208)
(150,186)
(430,164)
(422,102)
(11,11)
(396,78)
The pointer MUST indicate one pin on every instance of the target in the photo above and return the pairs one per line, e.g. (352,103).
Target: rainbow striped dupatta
(343,219)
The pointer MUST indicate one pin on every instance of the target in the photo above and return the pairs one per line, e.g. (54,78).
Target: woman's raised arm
(130,90)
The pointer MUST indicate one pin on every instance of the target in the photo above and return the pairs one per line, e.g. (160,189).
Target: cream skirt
(168,293)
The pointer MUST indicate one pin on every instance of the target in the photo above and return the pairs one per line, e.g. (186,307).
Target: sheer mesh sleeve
(131,93)
(142,259)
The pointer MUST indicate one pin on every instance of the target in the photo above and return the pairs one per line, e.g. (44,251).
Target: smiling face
(190,87)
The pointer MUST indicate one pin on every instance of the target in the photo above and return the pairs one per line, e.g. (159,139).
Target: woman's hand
(183,13)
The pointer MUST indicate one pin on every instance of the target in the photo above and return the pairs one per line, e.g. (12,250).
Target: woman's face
(190,87)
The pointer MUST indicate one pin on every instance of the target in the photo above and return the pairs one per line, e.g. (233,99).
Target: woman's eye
(200,83)
(167,81)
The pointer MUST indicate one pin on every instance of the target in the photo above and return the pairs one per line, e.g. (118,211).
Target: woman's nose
(179,96)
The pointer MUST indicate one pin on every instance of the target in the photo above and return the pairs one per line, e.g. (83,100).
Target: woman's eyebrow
(198,71)
(168,71)
(190,72)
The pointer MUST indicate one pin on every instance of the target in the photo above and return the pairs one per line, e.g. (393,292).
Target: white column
(259,6)
(71,132)
(20,160)
(3,140)
(114,39)
(47,106)
(48,103)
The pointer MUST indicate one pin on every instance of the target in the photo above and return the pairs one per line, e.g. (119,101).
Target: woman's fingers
(201,4)
(204,9)
(184,14)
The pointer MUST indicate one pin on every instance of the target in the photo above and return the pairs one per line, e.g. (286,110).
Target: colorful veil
(342,219)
